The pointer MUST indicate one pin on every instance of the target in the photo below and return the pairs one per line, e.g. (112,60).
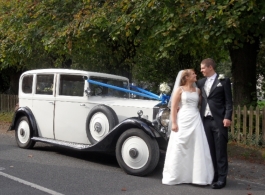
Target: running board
(62,143)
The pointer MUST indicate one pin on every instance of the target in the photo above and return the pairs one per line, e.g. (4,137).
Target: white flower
(221,76)
(164,88)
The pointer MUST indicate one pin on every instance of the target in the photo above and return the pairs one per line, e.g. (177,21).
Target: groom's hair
(209,62)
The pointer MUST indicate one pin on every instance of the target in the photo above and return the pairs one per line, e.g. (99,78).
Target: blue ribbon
(144,93)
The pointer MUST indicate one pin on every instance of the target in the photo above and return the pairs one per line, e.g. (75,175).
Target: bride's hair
(184,76)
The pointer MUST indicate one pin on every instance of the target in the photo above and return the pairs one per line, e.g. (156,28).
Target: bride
(188,158)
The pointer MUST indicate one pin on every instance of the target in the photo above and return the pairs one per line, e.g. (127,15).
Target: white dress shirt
(207,86)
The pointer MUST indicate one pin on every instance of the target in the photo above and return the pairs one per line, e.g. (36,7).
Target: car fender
(110,140)
(24,111)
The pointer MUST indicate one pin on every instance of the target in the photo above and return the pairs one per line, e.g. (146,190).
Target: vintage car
(92,111)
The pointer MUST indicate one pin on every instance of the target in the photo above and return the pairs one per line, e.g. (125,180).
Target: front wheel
(24,133)
(137,153)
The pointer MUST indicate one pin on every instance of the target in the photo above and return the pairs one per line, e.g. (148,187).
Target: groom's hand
(227,122)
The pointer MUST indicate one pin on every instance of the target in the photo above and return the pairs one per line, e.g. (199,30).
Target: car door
(71,109)
(43,103)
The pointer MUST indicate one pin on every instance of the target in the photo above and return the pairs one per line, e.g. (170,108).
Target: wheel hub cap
(133,153)
(22,132)
(97,127)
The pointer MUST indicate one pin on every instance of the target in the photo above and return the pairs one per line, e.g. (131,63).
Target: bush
(261,104)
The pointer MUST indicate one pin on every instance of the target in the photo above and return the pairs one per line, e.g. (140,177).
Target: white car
(91,111)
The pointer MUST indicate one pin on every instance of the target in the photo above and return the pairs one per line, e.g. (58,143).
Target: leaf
(206,37)
(137,27)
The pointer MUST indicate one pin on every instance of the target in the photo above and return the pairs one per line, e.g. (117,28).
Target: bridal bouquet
(164,88)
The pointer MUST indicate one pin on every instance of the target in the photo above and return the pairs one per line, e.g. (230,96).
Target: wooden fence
(248,125)
(8,102)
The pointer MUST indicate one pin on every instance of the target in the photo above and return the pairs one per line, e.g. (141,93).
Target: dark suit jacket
(219,100)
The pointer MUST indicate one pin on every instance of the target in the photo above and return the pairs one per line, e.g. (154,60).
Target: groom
(216,112)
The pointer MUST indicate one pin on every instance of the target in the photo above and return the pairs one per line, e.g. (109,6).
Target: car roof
(74,71)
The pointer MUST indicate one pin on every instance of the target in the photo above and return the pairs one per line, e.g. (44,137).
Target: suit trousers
(218,148)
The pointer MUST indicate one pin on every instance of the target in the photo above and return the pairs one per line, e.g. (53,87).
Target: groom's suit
(219,99)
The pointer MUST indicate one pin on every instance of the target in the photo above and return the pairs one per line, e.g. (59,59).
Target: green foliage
(148,40)
(261,104)
(6,117)
(224,67)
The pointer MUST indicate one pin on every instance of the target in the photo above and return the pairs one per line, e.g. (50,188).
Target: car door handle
(51,102)
(82,105)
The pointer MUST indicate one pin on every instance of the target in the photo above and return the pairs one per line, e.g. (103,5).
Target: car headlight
(163,117)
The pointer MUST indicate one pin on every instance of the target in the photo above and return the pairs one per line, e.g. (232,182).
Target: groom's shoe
(214,180)
(218,185)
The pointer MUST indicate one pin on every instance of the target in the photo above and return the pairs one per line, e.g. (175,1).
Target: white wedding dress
(188,158)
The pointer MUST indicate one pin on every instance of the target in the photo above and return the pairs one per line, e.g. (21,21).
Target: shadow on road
(107,159)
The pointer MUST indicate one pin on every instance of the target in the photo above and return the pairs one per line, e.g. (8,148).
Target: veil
(176,85)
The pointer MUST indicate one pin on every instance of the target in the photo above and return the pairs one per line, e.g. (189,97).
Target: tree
(150,39)
(207,29)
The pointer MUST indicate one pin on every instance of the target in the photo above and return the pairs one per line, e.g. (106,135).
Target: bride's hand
(175,127)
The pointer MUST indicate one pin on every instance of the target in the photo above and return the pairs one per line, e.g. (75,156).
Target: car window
(44,84)
(71,85)
(27,84)
(97,90)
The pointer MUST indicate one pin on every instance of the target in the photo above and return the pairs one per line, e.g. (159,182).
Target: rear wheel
(24,133)
(137,153)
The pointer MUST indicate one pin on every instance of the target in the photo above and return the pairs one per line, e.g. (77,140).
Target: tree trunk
(244,64)
(14,81)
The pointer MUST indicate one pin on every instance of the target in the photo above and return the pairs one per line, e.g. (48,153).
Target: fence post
(245,125)
(1,102)
(8,102)
(238,123)
(4,103)
(257,125)
(250,130)
(233,124)
(263,126)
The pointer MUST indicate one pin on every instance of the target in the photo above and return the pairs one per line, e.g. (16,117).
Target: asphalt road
(48,169)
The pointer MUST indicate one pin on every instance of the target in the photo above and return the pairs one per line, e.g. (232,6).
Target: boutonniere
(221,76)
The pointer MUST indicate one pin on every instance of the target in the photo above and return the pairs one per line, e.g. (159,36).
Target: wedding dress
(188,158)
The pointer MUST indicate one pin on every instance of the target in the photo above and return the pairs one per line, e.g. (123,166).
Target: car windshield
(97,90)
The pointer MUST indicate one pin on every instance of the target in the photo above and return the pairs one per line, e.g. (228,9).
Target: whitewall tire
(137,153)
(100,121)
(24,133)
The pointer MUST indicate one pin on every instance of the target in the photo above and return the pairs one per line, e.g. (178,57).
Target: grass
(249,153)
(6,117)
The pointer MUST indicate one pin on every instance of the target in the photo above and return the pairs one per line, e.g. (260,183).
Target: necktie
(208,86)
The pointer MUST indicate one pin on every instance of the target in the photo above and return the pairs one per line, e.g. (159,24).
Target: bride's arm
(174,108)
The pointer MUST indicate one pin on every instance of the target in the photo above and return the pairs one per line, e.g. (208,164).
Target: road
(48,169)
